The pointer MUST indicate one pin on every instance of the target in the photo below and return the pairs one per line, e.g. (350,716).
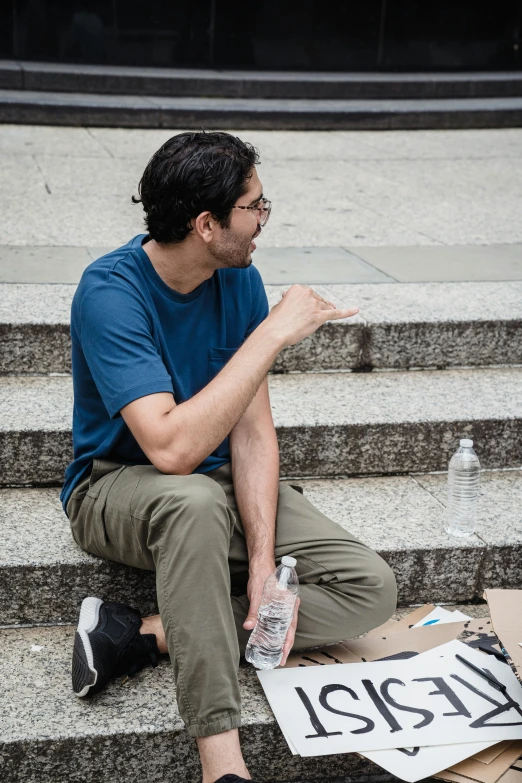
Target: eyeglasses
(263,208)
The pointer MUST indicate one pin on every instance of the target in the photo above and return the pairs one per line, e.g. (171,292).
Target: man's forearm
(177,438)
(255,470)
(196,427)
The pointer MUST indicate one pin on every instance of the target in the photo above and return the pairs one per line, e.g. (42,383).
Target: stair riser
(172,756)
(34,458)
(443,345)
(45,348)
(394,448)
(108,81)
(35,349)
(53,593)
(40,458)
(40,112)
(40,349)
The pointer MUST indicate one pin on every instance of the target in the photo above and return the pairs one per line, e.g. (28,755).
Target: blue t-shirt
(133,335)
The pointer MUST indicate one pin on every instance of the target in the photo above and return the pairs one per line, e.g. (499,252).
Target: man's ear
(205,226)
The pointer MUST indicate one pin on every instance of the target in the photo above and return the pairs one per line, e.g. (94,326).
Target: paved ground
(353,206)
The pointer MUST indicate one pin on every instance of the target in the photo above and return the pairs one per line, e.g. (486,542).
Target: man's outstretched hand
(254,591)
(301,312)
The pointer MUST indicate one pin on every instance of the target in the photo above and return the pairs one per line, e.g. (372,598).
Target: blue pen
(431,622)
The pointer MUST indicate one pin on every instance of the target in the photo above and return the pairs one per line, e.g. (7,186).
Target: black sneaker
(108,644)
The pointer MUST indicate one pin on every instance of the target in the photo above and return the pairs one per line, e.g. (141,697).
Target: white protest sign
(413,764)
(359,707)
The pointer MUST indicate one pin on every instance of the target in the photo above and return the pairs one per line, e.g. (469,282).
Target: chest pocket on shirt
(217,358)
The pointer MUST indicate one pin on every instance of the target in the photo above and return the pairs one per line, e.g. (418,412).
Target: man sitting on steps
(176,462)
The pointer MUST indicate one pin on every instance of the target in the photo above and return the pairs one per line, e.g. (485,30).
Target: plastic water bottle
(463,491)
(265,646)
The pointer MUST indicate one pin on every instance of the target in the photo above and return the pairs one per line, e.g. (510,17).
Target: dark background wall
(326,35)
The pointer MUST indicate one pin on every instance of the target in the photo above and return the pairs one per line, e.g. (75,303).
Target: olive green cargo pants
(187,529)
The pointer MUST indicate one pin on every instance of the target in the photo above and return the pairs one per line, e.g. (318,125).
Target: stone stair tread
(50,669)
(390,303)
(29,403)
(256,105)
(95,109)
(22,669)
(328,424)
(130,731)
(29,303)
(46,714)
(320,399)
(266,84)
(35,530)
(25,303)
(44,575)
(400,325)
(43,725)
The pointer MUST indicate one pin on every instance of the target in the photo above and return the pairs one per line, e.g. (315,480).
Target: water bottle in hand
(463,491)
(265,646)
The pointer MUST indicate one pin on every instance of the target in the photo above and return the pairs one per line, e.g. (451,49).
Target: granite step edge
(392,331)
(328,424)
(44,575)
(130,731)
(172,81)
(90,110)
(46,349)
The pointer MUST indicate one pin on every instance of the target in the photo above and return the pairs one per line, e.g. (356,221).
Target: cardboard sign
(403,645)
(412,764)
(395,639)
(505,607)
(479,634)
(418,763)
(489,755)
(513,775)
(387,645)
(430,699)
(489,773)
(407,622)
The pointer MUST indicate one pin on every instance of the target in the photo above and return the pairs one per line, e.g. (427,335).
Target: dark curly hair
(192,173)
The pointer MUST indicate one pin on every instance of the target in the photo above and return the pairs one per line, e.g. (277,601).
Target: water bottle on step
(463,491)
(265,646)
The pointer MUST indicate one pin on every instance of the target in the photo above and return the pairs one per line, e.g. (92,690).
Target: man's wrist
(266,331)
(261,563)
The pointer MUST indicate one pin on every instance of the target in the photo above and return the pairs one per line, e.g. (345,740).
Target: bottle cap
(466,443)
(288,561)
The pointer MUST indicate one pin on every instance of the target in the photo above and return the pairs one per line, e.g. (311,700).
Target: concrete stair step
(400,325)
(147,111)
(130,731)
(328,424)
(110,79)
(44,575)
